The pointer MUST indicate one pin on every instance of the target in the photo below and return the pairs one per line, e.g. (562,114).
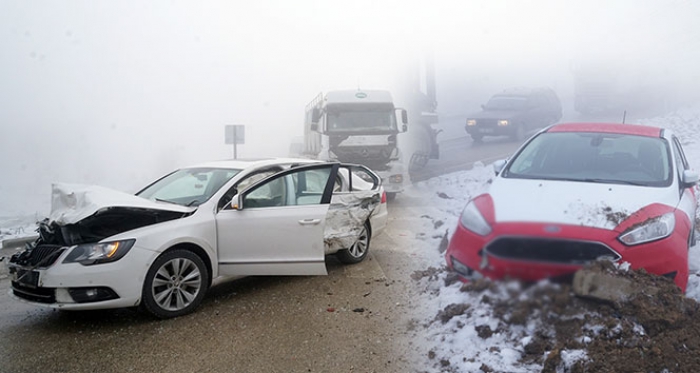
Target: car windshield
(594,157)
(363,119)
(188,187)
(506,103)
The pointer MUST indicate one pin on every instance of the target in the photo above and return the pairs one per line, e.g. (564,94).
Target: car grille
(549,250)
(40,256)
(486,123)
(40,295)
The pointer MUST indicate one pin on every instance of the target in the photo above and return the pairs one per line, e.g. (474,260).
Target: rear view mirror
(689,178)
(498,166)
(236,202)
(315,115)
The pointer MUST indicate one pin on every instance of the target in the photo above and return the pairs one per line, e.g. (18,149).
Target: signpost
(235,134)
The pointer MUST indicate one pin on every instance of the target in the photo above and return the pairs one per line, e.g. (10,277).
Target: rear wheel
(359,250)
(175,284)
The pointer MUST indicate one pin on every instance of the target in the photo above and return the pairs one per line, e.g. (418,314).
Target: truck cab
(358,126)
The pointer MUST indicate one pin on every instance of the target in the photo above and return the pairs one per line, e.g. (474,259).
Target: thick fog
(118,93)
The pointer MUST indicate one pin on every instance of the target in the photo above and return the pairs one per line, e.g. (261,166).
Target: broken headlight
(96,253)
(472,219)
(651,230)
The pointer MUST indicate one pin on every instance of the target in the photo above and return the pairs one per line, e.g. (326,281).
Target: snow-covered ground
(454,345)
(459,344)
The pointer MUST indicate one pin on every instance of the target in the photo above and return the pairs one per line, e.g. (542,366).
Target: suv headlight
(472,219)
(471,122)
(96,253)
(651,230)
(503,123)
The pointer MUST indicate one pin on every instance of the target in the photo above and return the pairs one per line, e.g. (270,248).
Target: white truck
(358,126)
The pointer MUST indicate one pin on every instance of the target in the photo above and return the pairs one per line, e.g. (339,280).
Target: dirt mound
(651,328)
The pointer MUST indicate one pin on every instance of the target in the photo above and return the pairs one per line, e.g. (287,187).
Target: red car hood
(595,205)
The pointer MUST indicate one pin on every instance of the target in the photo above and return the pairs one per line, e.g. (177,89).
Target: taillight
(383,197)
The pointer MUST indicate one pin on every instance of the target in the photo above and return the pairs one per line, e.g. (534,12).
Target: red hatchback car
(576,193)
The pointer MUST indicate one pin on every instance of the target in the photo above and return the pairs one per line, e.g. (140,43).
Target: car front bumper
(534,251)
(73,286)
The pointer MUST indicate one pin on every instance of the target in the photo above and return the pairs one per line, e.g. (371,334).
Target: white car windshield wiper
(613,181)
(166,201)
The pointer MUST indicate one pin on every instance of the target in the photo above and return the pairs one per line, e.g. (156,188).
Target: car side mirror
(404,118)
(689,178)
(498,166)
(236,202)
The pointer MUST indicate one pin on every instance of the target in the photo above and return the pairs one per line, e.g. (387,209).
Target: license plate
(24,277)
(486,130)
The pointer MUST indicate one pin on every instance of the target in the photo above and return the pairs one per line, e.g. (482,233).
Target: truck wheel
(175,284)
(358,251)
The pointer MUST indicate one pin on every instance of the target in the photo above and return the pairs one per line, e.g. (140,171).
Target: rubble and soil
(622,321)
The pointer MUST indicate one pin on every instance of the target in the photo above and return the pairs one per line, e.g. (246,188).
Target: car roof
(242,164)
(523,91)
(619,128)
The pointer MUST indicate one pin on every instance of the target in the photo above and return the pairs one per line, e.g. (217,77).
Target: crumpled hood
(71,203)
(588,204)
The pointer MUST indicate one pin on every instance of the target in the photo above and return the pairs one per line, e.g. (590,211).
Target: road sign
(235,134)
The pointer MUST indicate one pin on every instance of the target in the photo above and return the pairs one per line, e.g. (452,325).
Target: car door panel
(280,238)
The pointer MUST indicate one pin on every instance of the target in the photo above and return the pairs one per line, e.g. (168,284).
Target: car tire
(390,196)
(359,250)
(477,138)
(175,284)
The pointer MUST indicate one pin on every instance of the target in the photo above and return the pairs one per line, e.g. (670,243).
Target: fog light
(95,294)
(396,179)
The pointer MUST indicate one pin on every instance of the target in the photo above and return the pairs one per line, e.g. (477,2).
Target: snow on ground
(457,344)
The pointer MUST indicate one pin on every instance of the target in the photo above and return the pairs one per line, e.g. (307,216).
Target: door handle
(309,221)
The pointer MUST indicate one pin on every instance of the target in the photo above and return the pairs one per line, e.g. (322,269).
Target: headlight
(96,253)
(471,122)
(651,230)
(503,123)
(473,220)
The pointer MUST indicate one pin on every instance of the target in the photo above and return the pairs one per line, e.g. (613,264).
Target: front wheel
(358,251)
(175,284)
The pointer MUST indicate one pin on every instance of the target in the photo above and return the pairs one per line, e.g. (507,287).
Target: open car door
(275,226)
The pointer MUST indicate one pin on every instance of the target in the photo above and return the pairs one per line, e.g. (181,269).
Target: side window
(681,161)
(298,187)
(310,185)
(243,184)
(270,194)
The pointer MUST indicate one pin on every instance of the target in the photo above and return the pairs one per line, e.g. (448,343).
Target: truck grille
(549,250)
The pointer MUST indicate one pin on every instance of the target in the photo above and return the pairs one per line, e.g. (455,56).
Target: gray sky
(117,93)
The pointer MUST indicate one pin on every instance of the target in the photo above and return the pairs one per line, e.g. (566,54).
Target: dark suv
(515,113)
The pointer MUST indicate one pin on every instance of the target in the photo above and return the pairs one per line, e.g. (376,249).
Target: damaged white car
(161,248)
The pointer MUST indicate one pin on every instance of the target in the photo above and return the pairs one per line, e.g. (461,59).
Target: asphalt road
(356,319)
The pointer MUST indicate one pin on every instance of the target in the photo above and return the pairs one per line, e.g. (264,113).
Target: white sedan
(161,248)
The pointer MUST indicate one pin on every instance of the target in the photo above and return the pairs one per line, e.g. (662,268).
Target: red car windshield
(594,157)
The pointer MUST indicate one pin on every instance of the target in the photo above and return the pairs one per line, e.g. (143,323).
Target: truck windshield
(361,120)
